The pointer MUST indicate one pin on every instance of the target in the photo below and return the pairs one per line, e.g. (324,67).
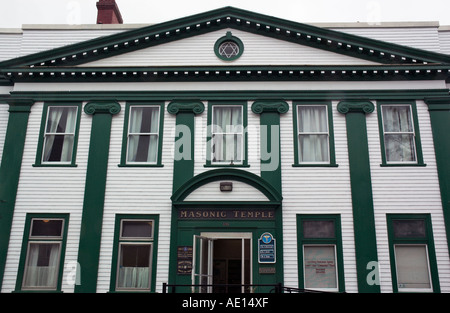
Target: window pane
(227,148)
(412,266)
(58,148)
(61,119)
(46,228)
(312,119)
(227,119)
(320,267)
(313,148)
(397,118)
(137,229)
(144,120)
(134,266)
(409,228)
(41,269)
(142,148)
(400,148)
(318,229)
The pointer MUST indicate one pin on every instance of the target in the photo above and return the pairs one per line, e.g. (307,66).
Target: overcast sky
(14,13)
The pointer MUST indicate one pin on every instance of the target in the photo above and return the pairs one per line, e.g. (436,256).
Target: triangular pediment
(282,46)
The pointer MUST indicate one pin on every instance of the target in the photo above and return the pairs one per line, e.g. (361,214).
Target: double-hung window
(142,135)
(313,134)
(227,137)
(59,130)
(413,261)
(399,134)
(320,253)
(134,251)
(42,254)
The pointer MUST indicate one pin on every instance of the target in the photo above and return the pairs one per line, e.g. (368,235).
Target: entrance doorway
(222,263)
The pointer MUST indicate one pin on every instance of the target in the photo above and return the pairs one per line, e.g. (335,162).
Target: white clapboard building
(226,151)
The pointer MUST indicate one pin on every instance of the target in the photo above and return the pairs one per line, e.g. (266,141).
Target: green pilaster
(439,109)
(183,164)
(361,188)
(94,194)
(19,111)
(270,150)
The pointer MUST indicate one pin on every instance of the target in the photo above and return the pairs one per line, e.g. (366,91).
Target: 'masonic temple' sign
(229,214)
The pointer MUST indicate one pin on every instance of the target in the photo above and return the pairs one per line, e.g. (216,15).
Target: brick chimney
(108,12)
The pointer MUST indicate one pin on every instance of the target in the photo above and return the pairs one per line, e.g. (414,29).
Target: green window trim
(417,142)
(425,240)
(209,141)
(123,159)
(39,151)
(335,241)
(331,147)
(153,241)
(27,239)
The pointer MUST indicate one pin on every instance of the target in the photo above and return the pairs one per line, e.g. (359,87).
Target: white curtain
(42,265)
(143,134)
(59,134)
(227,134)
(398,133)
(313,134)
(412,266)
(134,277)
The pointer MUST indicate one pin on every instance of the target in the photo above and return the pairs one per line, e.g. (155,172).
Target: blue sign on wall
(266,249)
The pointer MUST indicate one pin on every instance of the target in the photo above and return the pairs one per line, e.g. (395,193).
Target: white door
(202,264)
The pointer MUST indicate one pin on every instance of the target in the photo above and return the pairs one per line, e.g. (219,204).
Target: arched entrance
(218,219)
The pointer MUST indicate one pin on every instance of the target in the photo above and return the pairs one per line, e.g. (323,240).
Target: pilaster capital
(438,104)
(262,106)
(110,107)
(356,106)
(196,107)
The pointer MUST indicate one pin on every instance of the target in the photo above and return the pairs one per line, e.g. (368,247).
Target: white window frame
(225,133)
(413,132)
(335,265)
(313,133)
(157,134)
(58,134)
(405,289)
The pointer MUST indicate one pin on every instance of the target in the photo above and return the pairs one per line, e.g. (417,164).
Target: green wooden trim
(234,39)
(94,194)
(39,151)
(231,73)
(429,241)
(417,141)
(115,252)
(19,111)
(232,95)
(361,188)
(336,218)
(266,106)
(439,110)
(228,17)
(123,155)
(223,174)
(209,162)
(26,240)
(186,106)
(331,144)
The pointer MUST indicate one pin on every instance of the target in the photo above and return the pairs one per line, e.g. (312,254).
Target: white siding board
(10,45)
(444,40)
(407,190)
(48,190)
(199,50)
(137,191)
